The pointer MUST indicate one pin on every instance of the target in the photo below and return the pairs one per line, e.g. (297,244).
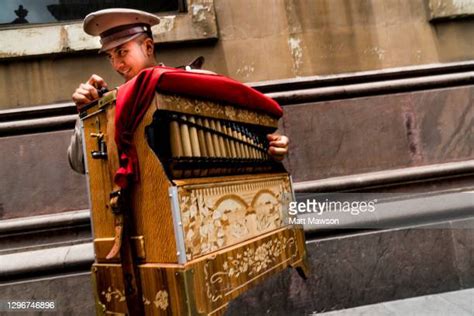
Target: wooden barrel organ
(208,218)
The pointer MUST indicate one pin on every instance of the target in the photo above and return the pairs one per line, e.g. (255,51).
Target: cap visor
(118,42)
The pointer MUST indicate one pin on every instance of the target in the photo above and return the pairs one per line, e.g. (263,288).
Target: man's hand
(87,92)
(278,146)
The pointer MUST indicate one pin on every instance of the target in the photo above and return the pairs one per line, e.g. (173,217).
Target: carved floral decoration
(161,300)
(250,262)
(115,294)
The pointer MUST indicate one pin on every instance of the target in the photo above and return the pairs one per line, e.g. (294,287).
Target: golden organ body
(206,221)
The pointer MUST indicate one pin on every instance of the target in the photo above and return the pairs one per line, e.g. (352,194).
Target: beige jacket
(75,153)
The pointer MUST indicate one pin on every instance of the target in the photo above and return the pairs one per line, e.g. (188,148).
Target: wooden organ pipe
(175,135)
(193,135)
(201,138)
(215,139)
(209,140)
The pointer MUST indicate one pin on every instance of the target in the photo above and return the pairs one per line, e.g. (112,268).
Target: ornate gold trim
(212,109)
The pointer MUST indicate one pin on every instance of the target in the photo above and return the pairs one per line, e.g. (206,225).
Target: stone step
(459,303)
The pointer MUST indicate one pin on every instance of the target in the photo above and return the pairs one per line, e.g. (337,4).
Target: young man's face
(130,58)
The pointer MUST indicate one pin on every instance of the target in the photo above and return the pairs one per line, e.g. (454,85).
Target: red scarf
(133,100)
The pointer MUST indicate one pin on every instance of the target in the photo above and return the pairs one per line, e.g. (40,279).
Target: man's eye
(122,52)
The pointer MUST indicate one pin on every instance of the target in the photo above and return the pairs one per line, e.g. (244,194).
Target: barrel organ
(208,217)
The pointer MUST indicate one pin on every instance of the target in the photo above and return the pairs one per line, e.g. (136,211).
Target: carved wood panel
(220,216)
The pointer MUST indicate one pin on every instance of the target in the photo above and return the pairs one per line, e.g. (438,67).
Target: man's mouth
(124,73)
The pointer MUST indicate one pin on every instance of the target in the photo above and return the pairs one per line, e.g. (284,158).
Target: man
(127,42)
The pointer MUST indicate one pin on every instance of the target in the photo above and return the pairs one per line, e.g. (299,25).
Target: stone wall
(267,40)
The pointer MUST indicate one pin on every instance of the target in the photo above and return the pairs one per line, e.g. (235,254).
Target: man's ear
(149,46)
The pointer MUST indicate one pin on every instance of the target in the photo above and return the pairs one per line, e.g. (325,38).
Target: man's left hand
(278,146)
